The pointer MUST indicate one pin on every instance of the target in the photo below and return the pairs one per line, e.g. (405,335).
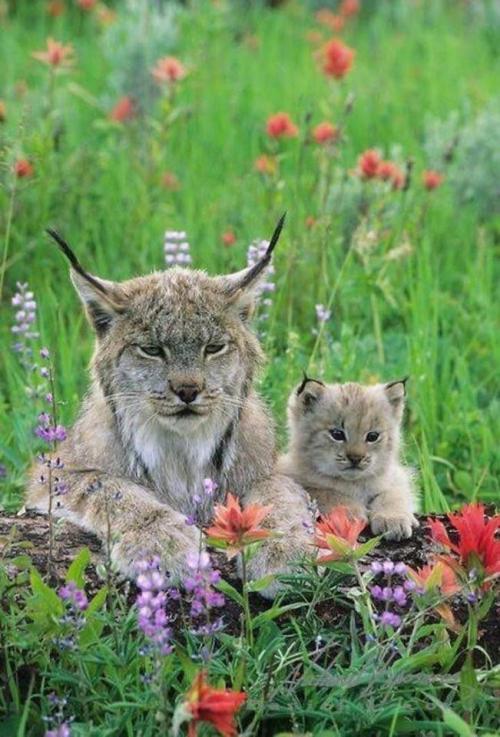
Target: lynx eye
(213,348)
(337,434)
(372,437)
(152,351)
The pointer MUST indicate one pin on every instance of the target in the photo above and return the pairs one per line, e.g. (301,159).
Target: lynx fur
(171,403)
(345,450)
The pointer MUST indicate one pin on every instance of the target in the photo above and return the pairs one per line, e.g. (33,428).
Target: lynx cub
(344,449)
(171,403)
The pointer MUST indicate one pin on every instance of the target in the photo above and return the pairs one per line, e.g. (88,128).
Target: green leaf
(44,603)
(456,723)
(468,685)
(366,547)
(77,568)
(261,583)
(274,612)
(230,591)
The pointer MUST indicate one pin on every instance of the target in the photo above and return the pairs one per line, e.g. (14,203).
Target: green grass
(430,315)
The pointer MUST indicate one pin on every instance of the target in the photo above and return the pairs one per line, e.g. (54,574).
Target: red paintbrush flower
(55,8)
(388,171)
(86,4)
(338,534)
(280,125)
(235,528)
(336,58)
(348,8)
(327,17)
(432,179)
(123,110)
(369,163)
(168,70)
(23,169)
(436,576)
(477,542)
(57,55)
(228,238)
(265,164)
(217,706)
(325,132)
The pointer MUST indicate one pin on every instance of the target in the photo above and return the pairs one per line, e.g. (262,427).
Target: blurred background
(374,123)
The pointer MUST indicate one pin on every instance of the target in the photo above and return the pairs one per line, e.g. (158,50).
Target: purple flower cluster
(203,505)
(393,591)
(199,585)
(48,431)
(176,248)
(72,621)
(151,602)
(74,596)
(255,253)
(24,319)
(61,726)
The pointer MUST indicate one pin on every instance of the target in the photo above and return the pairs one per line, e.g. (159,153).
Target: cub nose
(187,392)
(355,458)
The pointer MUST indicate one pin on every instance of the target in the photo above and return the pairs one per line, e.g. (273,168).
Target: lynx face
(346,431)
(173,348)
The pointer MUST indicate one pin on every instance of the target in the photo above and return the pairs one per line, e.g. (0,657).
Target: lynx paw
(276,556)
(171,540)
(393,526)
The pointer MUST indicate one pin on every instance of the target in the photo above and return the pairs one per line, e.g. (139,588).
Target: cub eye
(337,434)
(371,437)
(212,348)
(151,350)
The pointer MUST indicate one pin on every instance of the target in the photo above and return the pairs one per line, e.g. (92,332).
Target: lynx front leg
(290,518)
(126,516)
(391,512)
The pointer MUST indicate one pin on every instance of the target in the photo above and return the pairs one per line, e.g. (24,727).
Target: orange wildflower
(436,576)
(228,238)
(325,132)
(336,58)
(86,4)
(338,534)
(170,181)
(348,8)
(23,169)
(265,164)
(168,70)
(217,706)
(55,8)
(432,179)
(328,18)
(280,125)
(235,527)
(123,110)
(369,163)
(57,55)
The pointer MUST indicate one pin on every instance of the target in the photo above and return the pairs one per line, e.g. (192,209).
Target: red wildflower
(328,18)
(436,576)
(337,58)
(432,179)
(170,181)
(388,171)
(235,527)
(228,238)
(265,164)
(57,55)
(310,221)
(477,542)
(168,70)
(280,125)
(86,4)
(214,705)
(337,533)
(23,168)
(123,110)
(369,163)
(325,132)
(348,8)
(55,8)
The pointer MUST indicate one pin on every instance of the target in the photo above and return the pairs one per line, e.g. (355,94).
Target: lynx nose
(355,458)
(187,392)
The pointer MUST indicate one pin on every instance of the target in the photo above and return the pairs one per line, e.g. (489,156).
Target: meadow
(387,268)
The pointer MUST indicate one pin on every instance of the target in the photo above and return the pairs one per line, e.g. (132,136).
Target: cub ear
(308,392)
(395,392)
(103,299)
(241,288)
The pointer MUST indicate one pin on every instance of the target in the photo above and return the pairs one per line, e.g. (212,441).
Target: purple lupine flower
(388,567)
(151,601)
(63,730)
(390,619)
(3,472)
(376,567)
(24,318)
(199,585)
(400,568)
(323,314)
(399,596)
(176,248)
(256,251)
(74,596)
(209,487)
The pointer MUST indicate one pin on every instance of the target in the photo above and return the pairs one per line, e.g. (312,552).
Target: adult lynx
(171,403)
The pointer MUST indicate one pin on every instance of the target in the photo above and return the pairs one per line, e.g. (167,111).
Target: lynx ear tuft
(395,392)
(103,299)
(309,391)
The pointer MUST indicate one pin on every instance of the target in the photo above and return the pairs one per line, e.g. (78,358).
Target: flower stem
(246,601)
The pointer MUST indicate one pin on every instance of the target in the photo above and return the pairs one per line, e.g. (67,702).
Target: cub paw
(393,526)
